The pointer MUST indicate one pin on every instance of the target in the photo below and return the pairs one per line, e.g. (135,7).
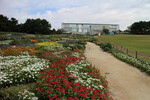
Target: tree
(32,26)
(8,25)
(13,25)
(105,31)
(141,27)
(37,26)
(3,23)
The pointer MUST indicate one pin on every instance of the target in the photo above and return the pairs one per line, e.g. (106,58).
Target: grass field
(140,43)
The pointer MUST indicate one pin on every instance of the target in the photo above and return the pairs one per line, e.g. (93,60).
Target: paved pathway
(125,81)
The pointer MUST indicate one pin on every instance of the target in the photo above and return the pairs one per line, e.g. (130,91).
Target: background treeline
(141,27)
(42,26)
(31,26)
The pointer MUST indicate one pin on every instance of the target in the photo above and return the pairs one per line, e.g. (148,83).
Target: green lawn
(140,43)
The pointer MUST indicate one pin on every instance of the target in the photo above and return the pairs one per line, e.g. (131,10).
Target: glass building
(88,28)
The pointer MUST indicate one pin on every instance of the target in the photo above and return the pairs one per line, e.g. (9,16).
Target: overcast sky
(122,12)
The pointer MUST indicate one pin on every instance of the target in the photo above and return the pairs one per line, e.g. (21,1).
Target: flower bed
(20,69)
(143,66)
(69,79)
(15,51)
(51,43)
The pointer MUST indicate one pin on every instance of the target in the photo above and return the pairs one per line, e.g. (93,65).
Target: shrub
(3,38)
(106,46)
(18,41)
(93,40)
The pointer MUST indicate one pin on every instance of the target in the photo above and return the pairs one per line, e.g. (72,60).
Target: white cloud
(123,12)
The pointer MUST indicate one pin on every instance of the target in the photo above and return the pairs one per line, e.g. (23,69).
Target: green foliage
(141,27)
(17,41)
(106,31)
(2,38)
(32,26)
(11,93)
(8,25)
(37,26)
(93,40)
(106,46)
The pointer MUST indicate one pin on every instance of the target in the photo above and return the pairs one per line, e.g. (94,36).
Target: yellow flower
(51,43)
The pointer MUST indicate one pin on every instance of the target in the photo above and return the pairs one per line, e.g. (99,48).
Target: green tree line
(31,26)
(141,27)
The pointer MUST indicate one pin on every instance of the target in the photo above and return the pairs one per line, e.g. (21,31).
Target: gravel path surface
(125,81)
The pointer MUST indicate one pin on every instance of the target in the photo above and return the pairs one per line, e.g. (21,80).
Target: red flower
(48,92)
(81,89)
(101,96)
(42,93)
(55,96)
(57,89)
(77,84)
(62,91)
(68,86)
(95,91)
(58,85)
(76,98)
(83,95)
(75,90)
(90,89)
(70,98)
(34,83)
(106,94)
(92,97)
(38,89)
(42,77)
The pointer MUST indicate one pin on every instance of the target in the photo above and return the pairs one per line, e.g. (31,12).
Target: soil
(125,81)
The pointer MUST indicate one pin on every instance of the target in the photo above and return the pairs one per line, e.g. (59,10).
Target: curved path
(125,81)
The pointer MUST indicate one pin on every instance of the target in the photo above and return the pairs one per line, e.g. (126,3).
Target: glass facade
(83,28)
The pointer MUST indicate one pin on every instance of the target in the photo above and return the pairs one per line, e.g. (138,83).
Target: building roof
(90,24)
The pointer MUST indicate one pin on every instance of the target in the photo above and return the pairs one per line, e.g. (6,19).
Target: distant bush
(93,40)
(17,41)
(2,38)
(106,46)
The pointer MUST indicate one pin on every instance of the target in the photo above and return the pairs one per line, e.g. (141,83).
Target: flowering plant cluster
(51,43)
(69,79)
(20,69)
(34,41)
(26,95)
(144,66)
(15,51)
